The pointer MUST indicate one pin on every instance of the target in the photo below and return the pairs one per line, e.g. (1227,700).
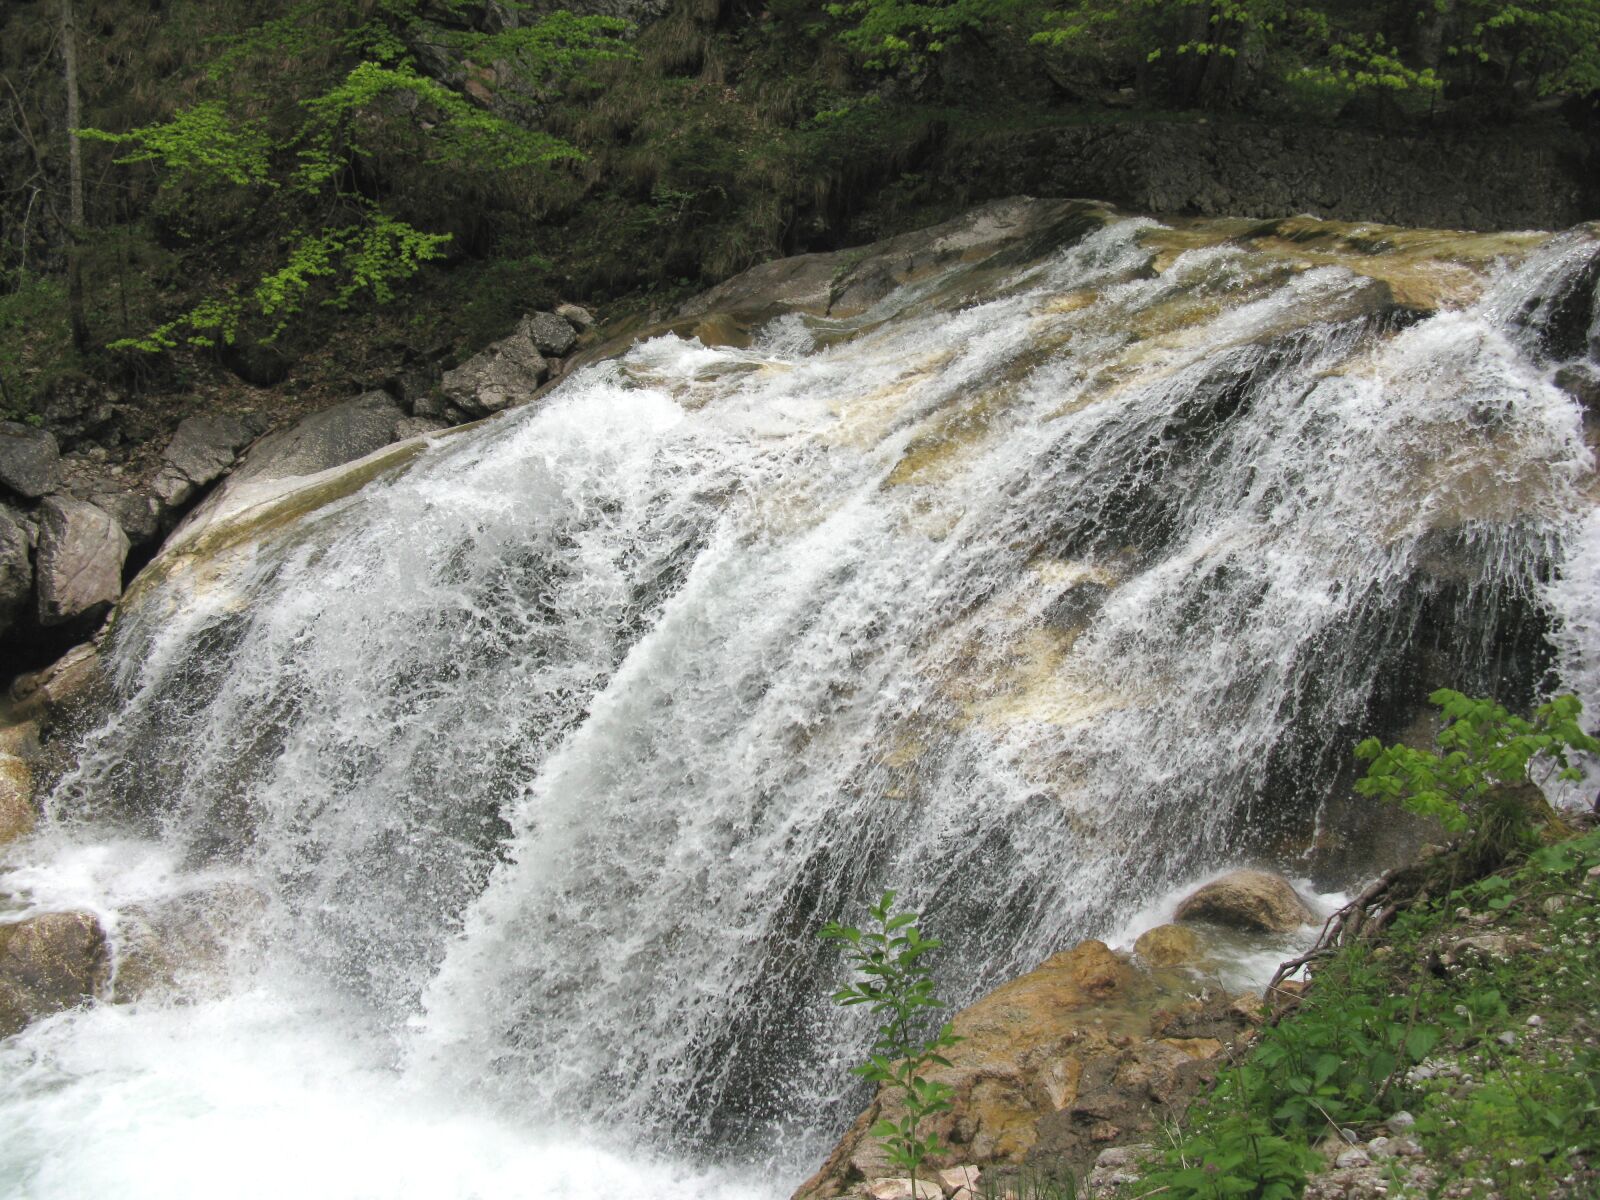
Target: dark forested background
(300,194)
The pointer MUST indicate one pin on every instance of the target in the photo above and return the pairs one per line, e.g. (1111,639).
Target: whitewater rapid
(1034,596)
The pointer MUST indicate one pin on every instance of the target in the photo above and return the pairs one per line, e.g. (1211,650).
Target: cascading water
(1030,593)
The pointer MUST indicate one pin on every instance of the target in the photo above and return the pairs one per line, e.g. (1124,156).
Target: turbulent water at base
(1029,594)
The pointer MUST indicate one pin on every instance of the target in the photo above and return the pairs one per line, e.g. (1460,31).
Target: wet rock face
(1254,900)
(1168,946)
(179,944)
(48,964)
(73,682)
(30,461)
(16,798)
(81,552)
(847,282)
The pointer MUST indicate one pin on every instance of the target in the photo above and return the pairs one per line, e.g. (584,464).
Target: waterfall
(1029,592)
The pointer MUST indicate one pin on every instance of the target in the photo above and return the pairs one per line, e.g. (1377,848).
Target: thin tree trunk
(69,53)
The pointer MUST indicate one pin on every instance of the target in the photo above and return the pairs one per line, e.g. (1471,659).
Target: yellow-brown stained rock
(1067,1043)
(16,798)
(1168,946)
(49,963)
(1259,900)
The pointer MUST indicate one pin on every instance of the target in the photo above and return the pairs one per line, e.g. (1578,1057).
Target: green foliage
(1236,1157)
(1332,1066)
(320,164)
(1348,1055)
(1505,1102)
(202,143)
(1482,748)
(896,33)
(1531,1112)
(897,985)
(35,342)
(1551,46)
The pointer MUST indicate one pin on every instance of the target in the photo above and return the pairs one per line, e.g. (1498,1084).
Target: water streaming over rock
(1031,590)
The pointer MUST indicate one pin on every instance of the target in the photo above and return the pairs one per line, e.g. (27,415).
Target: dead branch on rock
(1344,926)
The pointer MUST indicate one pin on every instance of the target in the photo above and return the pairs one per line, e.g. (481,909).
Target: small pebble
(1536,1020)
(1380,1147)
(1401,1121)
(1507,1038)
(1349,1135)
(1352,1158)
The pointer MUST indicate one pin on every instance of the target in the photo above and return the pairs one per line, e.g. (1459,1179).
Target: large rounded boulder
(1259,901)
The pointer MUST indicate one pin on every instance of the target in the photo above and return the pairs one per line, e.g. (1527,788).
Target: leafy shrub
(1483,751)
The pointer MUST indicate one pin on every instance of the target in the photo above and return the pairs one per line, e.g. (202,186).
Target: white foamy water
(550,753)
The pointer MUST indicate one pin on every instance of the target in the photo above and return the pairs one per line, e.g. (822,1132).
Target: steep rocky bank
(1078,1078)
(83,506)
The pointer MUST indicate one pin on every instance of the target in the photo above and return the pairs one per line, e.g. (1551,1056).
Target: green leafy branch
(1483,748)
(352,243)
(897,985)
(202,143)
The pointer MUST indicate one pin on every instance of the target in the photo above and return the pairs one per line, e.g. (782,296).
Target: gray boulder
(79,567)
(139,513)
(30,461)
(325,439)
(413,426)
(74,682)
(549,333)
(578,317)
(201,449)
(16,568)
(504,374)
(49,963)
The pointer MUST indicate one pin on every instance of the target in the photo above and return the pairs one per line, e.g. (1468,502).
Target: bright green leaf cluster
(352,242)
(1482,748)
(897,984)
(202,143)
